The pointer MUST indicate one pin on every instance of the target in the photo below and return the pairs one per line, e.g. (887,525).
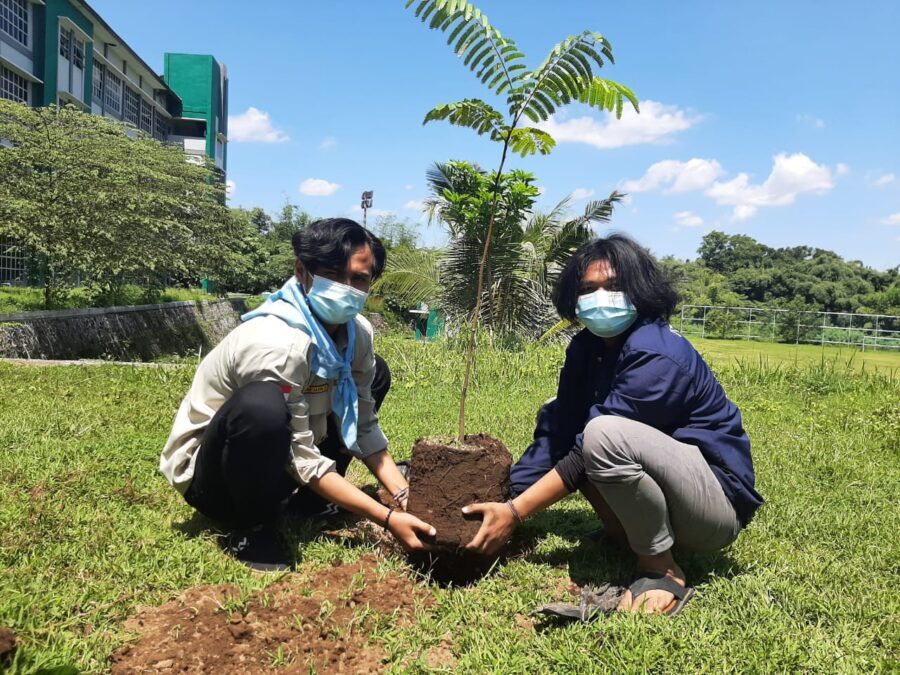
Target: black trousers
(240,477)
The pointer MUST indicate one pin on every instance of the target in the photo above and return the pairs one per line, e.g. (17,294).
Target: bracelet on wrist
(400,495)
(515,511)
(387,518)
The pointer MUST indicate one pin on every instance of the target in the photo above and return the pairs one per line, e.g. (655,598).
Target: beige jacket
(268,349)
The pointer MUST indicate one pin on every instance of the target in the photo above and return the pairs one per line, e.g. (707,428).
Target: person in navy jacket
(639,425)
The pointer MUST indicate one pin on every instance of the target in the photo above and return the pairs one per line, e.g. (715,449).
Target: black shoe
(259,549)
(307,504)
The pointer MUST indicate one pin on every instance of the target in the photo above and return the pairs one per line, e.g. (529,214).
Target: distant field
(723,352)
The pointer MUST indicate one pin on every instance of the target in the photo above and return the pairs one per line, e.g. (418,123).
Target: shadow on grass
(609,562)
(295,529)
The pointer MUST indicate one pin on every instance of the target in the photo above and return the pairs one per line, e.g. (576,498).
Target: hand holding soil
(497,526)
(409,531)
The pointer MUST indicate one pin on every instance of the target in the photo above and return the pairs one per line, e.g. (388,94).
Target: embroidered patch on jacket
(316,389)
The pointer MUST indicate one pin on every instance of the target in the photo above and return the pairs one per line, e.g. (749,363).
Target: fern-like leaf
(494,59)
(471,112)
(528,140)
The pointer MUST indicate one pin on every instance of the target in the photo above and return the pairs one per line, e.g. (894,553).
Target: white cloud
(893,219)
(655,124)
(581,193)
(254,126)
(541,189)
(842,169)
(791,175)
(743,212)
(328,143)
(688,219)
(318,187)
(886,179)
(415,205)
(408,186)
(695,174)
(816,122)
(230,187)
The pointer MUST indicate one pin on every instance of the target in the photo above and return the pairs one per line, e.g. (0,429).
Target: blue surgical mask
(605,313)
(333,302)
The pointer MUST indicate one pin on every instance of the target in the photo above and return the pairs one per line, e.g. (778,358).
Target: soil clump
(7,645)
(442,479)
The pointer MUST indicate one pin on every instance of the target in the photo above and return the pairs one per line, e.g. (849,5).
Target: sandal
(595,602)
(660,581)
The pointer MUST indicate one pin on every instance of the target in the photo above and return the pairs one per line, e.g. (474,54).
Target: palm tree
(526,256)
(566,75)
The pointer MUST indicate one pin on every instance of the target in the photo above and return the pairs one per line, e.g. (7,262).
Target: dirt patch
(7,645)
(319,621)
(442,479)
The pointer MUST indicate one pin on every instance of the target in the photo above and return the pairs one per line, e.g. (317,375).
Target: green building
(63,52)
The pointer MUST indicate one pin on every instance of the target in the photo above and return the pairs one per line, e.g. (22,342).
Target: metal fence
(866,331)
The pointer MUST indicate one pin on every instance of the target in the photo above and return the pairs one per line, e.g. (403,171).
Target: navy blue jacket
(657,378)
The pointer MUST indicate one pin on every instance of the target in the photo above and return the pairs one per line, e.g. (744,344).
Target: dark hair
(638,275)
(329,243)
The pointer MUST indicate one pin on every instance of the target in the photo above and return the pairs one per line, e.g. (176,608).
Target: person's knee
(260,408)
(604,446)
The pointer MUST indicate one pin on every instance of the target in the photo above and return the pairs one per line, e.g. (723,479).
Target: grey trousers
(662,491)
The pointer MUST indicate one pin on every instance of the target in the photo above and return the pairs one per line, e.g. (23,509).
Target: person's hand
(497,525)
(409,531)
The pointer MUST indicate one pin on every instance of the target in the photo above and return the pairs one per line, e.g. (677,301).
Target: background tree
(566,75)
(86,197)
(526,253)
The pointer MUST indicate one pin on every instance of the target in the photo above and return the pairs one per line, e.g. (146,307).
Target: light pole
(366,204)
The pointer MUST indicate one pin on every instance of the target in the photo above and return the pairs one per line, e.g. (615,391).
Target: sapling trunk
(470,350)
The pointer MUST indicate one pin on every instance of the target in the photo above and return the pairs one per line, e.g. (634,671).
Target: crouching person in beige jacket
(278,409)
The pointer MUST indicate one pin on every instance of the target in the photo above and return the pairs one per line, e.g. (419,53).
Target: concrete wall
(140,333)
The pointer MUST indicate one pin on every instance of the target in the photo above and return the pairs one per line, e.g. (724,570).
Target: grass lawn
(886,362)
(90,530)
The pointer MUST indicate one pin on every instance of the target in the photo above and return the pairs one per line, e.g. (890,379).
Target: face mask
(333,302)
(605,313)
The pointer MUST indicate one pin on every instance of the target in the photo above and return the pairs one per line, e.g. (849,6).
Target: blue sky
(774,119)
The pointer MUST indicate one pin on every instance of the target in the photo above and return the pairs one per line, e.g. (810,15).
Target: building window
(146,117)
(113,93)
(13,86)
(14,16)
(65,43)
(132,107)
(78,53)
(99,71)
(160,127)
(12,260)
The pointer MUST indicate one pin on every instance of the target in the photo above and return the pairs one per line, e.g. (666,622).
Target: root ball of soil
(443,478)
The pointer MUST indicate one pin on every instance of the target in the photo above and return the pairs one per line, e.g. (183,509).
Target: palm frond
(411,276)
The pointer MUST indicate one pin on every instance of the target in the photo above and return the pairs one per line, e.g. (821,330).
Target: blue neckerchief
(289,304)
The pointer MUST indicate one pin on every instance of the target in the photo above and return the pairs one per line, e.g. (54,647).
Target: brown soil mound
(7,645)
(444,478)
(302,623)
